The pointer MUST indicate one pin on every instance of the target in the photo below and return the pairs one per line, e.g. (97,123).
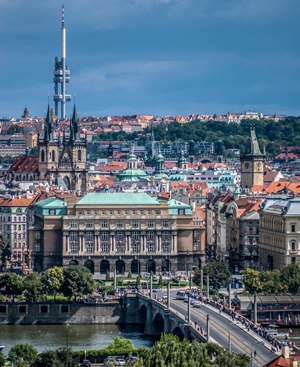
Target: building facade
(130,231)
(279,233)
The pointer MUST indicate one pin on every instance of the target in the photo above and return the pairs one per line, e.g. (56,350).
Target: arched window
(53,156)
(79,155)
(42,156)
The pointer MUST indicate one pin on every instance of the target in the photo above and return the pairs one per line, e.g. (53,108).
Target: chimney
(294,363)
(285,351)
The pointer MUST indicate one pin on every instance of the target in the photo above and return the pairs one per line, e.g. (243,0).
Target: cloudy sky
(160,57)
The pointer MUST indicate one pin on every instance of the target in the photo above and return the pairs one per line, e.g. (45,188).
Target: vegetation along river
(79,337)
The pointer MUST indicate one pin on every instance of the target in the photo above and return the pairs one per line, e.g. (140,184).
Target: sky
(154,57)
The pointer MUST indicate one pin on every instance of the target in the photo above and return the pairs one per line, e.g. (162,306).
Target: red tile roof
(25,164)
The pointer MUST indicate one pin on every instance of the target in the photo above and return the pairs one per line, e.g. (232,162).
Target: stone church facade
(69,164)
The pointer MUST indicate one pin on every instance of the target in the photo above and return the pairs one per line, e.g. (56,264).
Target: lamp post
(67,336)
(190,275)
(138,265)
(169,265)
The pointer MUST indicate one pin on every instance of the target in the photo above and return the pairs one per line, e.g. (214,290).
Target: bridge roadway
(220,326)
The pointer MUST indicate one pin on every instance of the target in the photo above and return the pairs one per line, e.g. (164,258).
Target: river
(79,337)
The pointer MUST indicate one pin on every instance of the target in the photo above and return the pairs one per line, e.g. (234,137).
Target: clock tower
(252,163)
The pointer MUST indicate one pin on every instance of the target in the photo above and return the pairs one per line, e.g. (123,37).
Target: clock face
(258,165)
(247,165)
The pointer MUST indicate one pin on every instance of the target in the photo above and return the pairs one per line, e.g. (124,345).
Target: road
(220,327)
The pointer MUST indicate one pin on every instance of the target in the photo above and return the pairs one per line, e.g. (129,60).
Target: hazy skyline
(160,57)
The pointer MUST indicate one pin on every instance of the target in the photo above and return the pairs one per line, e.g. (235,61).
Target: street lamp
(187,254)
(67,336)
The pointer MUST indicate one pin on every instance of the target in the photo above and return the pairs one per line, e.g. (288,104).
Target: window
(104,224)
(37,235)
(73,247)
(53,156)
(150,223)
(15,219)
(15,236)
(293,228)
(196,235)
(196,246)
(126,212)
(95,212)
(73,224)
(111,212)
(133,212)
(135,223)
(19,236)
(165,236)
(23,227)
(89,224)
(15,227)
(104,235)
(19,227)
(135,235)
(293,259)
(52,211)
(120,223)
(150,236)
(119,213)
(149,212)
(89,236)
(104,247)
(166,223)
(87,212)
(79,212)
(73,236)
(19,219)
(165,247)
(8,219)
(135,247)
(141,212)
(120,236)
(181,211)
(89,247)
(150,247)
(293,246)
(103,212)
(24,236)
(37,247)
(79,155)
(120,247)
(250,241)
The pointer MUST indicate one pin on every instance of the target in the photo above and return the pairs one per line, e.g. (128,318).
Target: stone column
(171,244)
(255,309)
(126,242)
(175,243)
(156,243)
(159,243)
(111,246)
(65,245)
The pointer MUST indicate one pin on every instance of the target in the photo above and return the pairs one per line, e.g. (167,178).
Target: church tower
(182,162)
(252,163)
(69,168)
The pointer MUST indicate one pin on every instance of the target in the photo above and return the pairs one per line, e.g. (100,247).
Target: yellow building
(279,232)
(31,139)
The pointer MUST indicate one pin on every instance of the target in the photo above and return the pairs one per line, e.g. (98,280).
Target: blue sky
(161,57)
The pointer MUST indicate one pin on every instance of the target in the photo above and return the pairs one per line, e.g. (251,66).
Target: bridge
(179,318)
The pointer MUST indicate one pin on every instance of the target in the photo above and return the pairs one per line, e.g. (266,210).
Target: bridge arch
(143,314)
(177,331)
(158,323)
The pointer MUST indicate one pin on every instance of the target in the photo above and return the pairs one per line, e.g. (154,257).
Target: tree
(63,357)
(4,248)
(129,274)
(2,359)
(11,285)
(138,280)
(219,275)
(23,350)
(290,275)
(107,275)
(120,343)
(34,152)
(33,285)
(252,281)
(53,280)
(78,281)
(160,282)
(14,129)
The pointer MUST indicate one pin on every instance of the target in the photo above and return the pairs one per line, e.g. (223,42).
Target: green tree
(2,359)
(252,281)
(138,280)
(67,358)
(25,351)
(78,281)
(160,281)
(53,280)
(34,152)
(48,358)
(11,285)
(219,275)
(33,285)
(4,248)
(107,275)
(290,276)
(14,129)
(120,343)
(129,274)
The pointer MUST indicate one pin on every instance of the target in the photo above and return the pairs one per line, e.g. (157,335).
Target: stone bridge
(158,318)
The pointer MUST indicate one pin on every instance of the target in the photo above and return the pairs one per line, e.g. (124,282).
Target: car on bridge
(114,361)
(157,289)
(197,304)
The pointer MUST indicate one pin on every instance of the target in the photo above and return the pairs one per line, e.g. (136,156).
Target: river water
(79,337)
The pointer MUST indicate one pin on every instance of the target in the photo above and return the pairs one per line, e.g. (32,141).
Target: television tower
(61,73)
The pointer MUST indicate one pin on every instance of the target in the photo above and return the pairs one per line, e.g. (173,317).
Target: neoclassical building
(130,231)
